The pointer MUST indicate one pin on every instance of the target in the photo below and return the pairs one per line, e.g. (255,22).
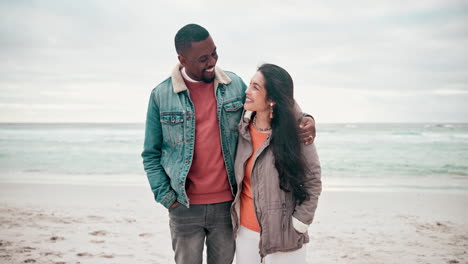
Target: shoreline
(456,184)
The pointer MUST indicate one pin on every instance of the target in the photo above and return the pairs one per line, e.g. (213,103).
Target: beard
(206,80)
(208,77)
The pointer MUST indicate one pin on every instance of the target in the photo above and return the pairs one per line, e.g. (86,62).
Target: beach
(77,193)
(72,223)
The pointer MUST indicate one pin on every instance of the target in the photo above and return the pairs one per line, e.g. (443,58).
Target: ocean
(423,157)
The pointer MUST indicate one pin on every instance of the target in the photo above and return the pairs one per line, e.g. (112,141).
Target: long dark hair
(285,141)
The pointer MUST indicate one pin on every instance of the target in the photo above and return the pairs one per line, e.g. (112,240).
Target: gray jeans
(190,226)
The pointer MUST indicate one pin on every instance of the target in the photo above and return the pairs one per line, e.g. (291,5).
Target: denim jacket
(170,133)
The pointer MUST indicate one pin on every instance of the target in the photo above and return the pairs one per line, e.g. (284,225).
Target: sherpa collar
(178,81)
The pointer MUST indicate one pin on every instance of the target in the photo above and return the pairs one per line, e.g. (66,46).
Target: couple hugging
(234,164)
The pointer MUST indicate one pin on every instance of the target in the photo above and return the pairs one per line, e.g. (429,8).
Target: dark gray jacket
(275,209)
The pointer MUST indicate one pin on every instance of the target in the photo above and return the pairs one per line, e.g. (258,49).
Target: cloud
(49,106)
(92,53)
(451,92)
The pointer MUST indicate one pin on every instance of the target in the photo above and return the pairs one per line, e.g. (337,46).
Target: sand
(57,223)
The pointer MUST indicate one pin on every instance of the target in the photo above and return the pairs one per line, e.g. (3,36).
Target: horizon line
(142,123)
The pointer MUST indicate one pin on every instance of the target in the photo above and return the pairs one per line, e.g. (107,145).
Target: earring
(271,110)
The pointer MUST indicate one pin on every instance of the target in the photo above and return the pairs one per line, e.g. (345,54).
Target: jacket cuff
(169,199)
(299,226)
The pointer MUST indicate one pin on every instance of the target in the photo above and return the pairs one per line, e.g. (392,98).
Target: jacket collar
(178,81)
(244,124)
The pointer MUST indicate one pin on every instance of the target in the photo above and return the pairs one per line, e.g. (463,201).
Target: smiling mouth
(210,70)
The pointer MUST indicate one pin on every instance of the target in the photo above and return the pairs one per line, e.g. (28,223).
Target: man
(190,143)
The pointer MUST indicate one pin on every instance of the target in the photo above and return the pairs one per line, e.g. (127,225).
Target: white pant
(247,251)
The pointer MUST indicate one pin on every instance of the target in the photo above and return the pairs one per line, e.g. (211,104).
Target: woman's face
(256,94)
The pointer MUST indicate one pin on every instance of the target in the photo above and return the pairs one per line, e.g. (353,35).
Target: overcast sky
(351,61)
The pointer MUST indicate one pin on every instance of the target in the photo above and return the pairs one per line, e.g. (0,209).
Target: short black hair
(188,34)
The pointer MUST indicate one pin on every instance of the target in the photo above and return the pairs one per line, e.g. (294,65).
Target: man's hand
(307,130)
(174,204)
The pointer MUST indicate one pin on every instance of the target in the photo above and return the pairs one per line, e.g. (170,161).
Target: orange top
(248,217)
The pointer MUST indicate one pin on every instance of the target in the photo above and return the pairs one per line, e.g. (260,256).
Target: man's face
(200,59)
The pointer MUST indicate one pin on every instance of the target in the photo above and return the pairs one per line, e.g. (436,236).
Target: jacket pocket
(233,110)
(292,237)
(172,127)
(175,207)
(233,104)
(281,232)
(273,229)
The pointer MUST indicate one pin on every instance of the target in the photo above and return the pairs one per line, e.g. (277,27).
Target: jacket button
(186,162)
(187,140)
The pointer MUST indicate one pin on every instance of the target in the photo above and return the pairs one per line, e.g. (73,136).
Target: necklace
(259,129)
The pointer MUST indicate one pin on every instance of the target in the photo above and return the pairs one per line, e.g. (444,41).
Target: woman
(278,176)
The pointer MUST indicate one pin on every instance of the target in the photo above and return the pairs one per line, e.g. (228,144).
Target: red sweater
(207,180)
